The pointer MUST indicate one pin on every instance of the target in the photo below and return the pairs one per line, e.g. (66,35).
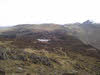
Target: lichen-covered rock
(3,54)
(40,59)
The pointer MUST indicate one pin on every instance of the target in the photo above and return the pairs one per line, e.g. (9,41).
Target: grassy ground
(71,63)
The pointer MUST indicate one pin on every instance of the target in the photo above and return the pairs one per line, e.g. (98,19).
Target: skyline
(13,12)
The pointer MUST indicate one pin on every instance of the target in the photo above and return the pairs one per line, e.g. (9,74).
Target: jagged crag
(21,52)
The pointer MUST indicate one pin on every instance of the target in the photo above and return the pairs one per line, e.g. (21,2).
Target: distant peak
(88,22)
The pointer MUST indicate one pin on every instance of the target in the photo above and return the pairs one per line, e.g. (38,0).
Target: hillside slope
(87,32)
(64,54)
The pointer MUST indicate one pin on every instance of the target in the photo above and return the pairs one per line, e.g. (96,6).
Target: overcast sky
(14,12)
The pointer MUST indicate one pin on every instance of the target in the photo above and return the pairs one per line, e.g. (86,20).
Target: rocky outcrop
(3,54)
(40,59)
